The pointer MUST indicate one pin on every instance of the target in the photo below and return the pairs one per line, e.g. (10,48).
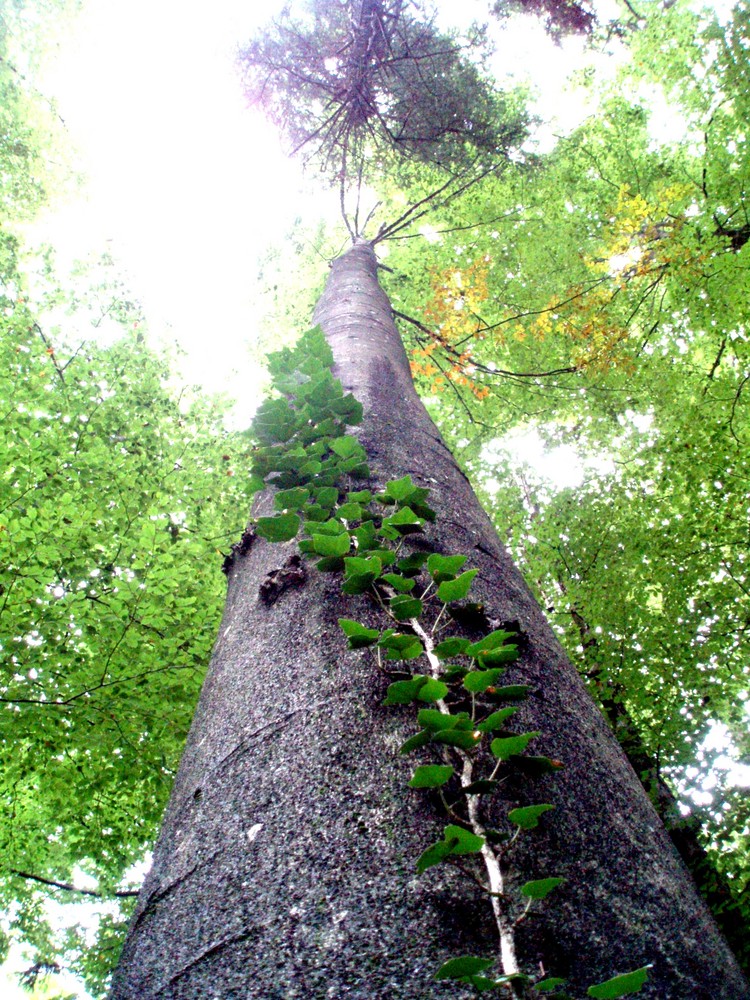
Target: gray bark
(286,862)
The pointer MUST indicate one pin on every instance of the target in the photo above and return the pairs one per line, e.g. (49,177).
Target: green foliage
(620,986)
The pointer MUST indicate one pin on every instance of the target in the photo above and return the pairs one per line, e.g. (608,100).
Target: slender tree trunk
(286,862)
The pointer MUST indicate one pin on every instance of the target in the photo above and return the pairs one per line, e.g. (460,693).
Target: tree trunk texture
(286,862)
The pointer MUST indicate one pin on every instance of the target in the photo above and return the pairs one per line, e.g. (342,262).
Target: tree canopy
(594,296)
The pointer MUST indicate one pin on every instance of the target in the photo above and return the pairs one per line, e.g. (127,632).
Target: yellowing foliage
(452,313)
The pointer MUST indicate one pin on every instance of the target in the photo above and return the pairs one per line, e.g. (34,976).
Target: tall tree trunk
(286,862)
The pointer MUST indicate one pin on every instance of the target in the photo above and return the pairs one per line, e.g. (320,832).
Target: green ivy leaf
(400,489)
(402,584)
(291,499)
(282,528)
(349,409)
(401,647)
(504,748)
(457,840)
(459,968)
(404,608)
(483,786)
(431,776)
(358,635)
(451,647)
(547,985)
(404,521)
(365,536)
(360,574)
(419,739)
(478,681)
(462,739)
(326,496)
(433,690)
(490,642)
(443,568)
(435,720)
(512,692)
(359,496)
(330,564)
(331,545)
(347,447)
(535,767)
(527,817)
(403,692)
(412,563)
(349,512)
(330,527)
(540,888)
(620,986)
(456,590)
(496,720)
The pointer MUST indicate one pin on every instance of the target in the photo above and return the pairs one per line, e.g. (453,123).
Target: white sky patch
(185,184)
(562,466)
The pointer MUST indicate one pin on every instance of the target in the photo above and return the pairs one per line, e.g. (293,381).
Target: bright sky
(186,186)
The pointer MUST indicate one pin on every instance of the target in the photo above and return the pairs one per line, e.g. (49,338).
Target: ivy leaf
(456,590)
(412,563)
(291,499)
(505,747)
(457,840)
(360,574)
(451,647)
(359,496)
(282,528)
(462,739)
(508,654)
(435,720)
(540,888)
(402,584)
(400,489)
(404,521)
(330,564)
(348,408)
(527,817)
(482,786)
(326,496)
(496,720)
(490,642)
(620,986)
(433,690)
(331,545)
(401,647)
(330,527)
(547,985)
(404,608)
(512,692)
(365,535)
(419,739)
(444,567)
(347,447)
(349,512)
(431,776)
(460,968)
(403,692)
(358,635)
(478,681)
(535,767)
(433,856)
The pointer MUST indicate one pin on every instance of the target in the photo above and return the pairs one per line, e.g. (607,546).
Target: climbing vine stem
(463,708)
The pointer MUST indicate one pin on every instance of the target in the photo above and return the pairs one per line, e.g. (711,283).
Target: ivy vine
(463,709)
